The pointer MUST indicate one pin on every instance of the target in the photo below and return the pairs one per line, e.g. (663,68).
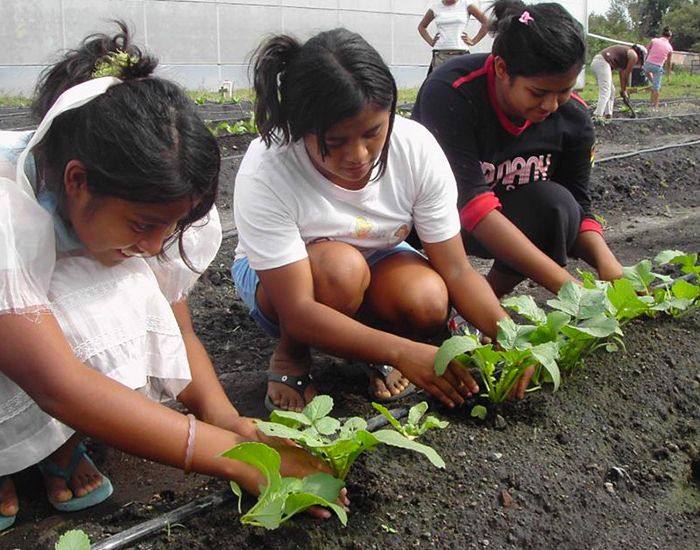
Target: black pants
(546,213)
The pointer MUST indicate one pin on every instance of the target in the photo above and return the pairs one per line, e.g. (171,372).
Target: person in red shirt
(520,144)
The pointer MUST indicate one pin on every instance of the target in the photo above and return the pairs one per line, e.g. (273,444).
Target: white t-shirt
(451,22)
(282,202)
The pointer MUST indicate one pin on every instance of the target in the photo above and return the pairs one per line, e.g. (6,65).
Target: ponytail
(271,59)
(81,64)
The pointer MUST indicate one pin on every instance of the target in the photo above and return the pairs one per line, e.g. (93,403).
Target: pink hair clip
(525,18)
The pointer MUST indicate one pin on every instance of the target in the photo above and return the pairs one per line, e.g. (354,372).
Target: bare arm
(290,291)
(204,396)
(507,243)
(36,356)
(469,292)
(423,28)
(480,16)
(627,70)
(592,249)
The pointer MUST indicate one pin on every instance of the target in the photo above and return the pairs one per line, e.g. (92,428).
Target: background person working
(451,38)
(660,51)
(615,58)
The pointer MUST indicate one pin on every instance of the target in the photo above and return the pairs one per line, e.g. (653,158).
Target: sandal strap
(298,383)
(49,467)
(382,370)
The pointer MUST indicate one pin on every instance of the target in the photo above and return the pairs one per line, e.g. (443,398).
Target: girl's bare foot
(85,479)
(283,394)
(385,387)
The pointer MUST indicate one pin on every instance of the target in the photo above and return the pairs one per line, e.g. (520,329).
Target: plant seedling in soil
(413,427)
(339,445)
(75,539)
(584,318)
(283,497)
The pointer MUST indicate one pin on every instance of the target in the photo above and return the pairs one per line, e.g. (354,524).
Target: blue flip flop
(102,493)
(6,521)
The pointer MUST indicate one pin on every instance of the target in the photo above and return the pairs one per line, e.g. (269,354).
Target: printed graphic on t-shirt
(363,227)
(517,171)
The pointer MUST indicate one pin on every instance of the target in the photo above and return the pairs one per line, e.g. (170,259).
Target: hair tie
(113,64)
(525,18)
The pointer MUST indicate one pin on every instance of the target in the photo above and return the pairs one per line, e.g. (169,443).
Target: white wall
(201,43)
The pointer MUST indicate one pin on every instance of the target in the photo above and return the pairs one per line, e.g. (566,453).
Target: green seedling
(283,497)
(413,427)
(75,539)
(339,445)
(237,128)
(583,319)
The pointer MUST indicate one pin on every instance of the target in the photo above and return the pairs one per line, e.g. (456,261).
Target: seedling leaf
(479,411)
(546,354)
(75,539)
(526,306)
(416,412)
(395,439)
(318,407)
(451,348)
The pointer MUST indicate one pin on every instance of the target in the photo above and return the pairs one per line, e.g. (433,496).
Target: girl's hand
(468,41)
(417,364)
(518,391)
(296,462)
(435,38)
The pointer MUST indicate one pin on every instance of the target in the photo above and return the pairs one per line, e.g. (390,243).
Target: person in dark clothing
(520,144)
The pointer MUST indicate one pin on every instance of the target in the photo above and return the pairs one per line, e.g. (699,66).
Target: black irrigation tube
(168,519)
(650,150)
(646,118)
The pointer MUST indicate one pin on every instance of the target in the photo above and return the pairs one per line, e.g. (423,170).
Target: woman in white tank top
(450,39)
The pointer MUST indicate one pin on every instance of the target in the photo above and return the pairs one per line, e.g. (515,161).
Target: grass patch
(9,101)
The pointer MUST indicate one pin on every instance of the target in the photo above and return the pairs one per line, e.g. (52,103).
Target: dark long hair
(307,88)
(550,42)
(140,141)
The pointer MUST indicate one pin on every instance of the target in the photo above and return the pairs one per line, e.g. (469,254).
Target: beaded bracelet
(189,453)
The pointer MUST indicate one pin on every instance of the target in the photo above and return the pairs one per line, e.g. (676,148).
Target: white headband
(72,98)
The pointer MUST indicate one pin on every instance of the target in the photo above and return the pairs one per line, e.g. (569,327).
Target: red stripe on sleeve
(578,98)
(589,224)
(477,208)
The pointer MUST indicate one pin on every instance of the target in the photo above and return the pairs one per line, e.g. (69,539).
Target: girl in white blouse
(97,255)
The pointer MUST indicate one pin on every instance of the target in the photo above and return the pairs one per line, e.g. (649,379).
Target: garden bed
(605,462)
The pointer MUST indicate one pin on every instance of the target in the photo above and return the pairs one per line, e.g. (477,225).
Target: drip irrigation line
(155,525)
(647,118)
(650,150)
(143,530)
(686,277)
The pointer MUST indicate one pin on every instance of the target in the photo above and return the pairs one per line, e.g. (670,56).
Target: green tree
(647,15)
(614,24)
(685,24)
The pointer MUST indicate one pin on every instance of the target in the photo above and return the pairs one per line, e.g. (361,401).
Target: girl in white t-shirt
(94,322)
(323,201)
(451,18)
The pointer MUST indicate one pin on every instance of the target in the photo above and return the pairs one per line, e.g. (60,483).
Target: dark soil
(609,461)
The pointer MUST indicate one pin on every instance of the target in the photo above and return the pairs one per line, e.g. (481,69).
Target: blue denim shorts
(657,72)
(246,280)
